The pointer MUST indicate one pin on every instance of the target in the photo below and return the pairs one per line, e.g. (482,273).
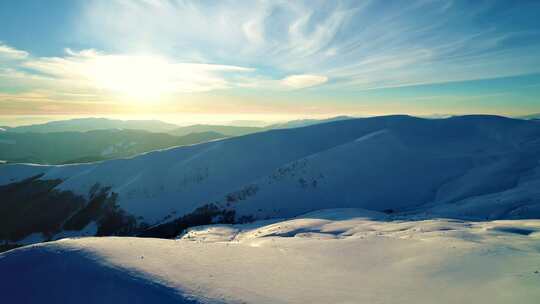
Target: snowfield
(328,256)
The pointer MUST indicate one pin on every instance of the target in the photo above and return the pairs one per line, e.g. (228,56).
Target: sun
(135,77)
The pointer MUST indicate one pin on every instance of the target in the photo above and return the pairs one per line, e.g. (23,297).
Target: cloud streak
(8,52)
(303,81)
(133,73)
(91,73)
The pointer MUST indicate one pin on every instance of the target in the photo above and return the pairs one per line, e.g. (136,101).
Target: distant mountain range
(97,145)
(95,139)
(468,167)
(90,124)
(535,116)
(305,122)
(242,130)
(222,129)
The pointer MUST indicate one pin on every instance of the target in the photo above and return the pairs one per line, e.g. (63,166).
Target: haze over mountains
(222,129)
(94,139)
(90,124)
(96,145)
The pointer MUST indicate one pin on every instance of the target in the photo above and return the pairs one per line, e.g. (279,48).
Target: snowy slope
(393,163)
(196,173)
(404,169)
(330,256)
(376,172)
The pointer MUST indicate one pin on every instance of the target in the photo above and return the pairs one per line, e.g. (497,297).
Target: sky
(268,60)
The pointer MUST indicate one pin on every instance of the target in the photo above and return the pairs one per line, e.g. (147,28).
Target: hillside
(470,167)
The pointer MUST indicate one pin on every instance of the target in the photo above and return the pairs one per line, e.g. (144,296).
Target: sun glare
(135,77)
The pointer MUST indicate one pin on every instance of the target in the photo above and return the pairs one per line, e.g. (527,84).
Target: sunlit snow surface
(329,256)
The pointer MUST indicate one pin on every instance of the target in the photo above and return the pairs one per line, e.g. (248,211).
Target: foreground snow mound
(330,256)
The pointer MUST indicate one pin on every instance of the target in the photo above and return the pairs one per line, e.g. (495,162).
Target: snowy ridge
(480,167)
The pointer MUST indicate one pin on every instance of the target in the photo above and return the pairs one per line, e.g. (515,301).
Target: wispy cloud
(303,81)
(11,53)
(358,44)
(131,73)
(182,47)
(92,73)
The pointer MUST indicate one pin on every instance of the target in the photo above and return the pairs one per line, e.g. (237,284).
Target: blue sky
(269,58)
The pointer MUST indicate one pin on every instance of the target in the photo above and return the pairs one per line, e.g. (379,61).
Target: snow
(329,256)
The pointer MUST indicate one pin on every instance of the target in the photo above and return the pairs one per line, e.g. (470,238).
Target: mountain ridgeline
(87,140)
(475,167)
(91,124)
(89,146)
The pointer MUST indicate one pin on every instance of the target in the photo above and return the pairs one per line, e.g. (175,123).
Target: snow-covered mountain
(462,167)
